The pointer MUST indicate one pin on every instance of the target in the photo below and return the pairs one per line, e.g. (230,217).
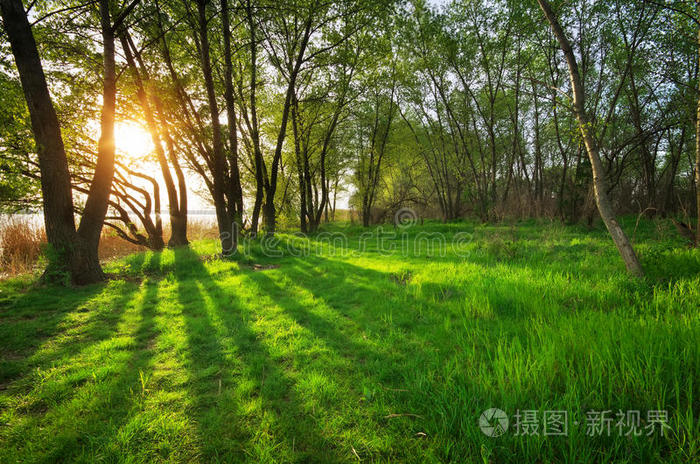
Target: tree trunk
(254,129)
(235,190)
(300,171)
(366,213)
(86,265)
(57,198)
(219,168)
(585,125)
(269,216)
(697,154)
(177,207)
(141,93)
(75,252)
(271,184)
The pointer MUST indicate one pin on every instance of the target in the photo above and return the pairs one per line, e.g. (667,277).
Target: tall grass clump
(20,245)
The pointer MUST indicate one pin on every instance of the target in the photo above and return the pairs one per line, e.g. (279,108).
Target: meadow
(349,346)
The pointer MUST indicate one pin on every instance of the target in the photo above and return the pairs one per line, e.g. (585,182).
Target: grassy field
(372,350)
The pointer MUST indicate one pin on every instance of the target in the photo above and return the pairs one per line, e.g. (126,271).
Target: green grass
(184,358)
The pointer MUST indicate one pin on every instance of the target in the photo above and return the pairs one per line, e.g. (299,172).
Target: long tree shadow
(246,405)
(377,341)
(517,249)
(48,323)
(81,412)
(114,399)
(513,287)
(317,276)
(409,332)
(335,326)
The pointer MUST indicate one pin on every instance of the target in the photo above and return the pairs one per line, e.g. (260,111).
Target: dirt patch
(264,267)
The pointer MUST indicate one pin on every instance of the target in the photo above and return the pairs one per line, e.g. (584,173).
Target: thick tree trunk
(97,201)
(178,230)
(366,212)
(269,216)
(57,198)
(75,252)
(599,184)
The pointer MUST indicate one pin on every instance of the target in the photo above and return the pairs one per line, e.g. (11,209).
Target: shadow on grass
(92,392)
(110,400)
(230,364)
(49,323)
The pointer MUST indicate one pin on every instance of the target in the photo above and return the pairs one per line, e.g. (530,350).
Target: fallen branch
(393,389)
(685,230)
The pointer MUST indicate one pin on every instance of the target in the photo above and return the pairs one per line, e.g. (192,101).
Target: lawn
(381,348)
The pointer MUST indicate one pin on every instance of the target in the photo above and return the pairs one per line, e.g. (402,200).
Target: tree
(160,136)
(585,126)
(73,251)
(377,120)
(690,10)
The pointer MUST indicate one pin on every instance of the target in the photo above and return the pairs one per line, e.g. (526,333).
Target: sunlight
(329,231)
(133,141)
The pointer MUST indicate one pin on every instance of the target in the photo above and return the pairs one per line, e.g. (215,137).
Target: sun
(132,141)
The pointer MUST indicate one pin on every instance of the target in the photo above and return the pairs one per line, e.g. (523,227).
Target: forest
(275,109)
(421,210)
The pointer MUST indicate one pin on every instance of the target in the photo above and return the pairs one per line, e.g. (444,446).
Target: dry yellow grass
(22,241)
(20,246)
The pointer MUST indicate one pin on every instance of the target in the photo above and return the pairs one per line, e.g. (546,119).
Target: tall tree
(177,197)
(585,126)
(218,167)
(383,106)
(73,251)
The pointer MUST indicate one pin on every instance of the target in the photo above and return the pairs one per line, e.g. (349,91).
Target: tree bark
(178,235)
(57,197)
(219,167)
(300,169)
(235,191)
(177,197)
(255,130)
(74,252)
(585,125)
(86,266)
(697,153)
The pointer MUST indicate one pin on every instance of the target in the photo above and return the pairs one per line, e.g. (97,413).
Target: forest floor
(348,347)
